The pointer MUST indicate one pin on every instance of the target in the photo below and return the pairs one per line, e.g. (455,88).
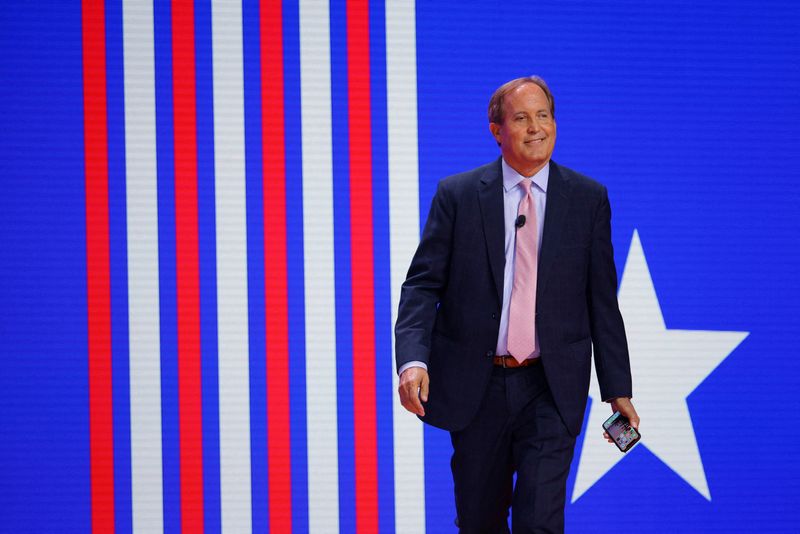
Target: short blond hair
(496,102)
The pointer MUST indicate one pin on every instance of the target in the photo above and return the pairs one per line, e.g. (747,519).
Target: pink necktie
(522,313)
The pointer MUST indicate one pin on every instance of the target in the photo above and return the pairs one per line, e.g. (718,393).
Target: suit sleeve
(608,330)
(425,282)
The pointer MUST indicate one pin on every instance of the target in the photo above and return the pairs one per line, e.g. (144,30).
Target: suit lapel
(490,196)
(554,220)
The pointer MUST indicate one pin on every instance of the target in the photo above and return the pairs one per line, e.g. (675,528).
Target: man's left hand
(624,406)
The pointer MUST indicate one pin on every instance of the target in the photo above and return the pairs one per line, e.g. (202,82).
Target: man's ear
(495,129)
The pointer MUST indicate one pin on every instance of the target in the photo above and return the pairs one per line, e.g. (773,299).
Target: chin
(536,159)
(541,156)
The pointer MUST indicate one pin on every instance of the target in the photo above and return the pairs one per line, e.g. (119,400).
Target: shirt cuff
(413,363)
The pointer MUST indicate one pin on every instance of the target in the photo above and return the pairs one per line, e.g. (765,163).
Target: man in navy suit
(512,285)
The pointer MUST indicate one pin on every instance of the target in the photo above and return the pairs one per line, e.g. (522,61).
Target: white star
(667,365)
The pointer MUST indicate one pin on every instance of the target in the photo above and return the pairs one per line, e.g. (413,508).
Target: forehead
(527,97)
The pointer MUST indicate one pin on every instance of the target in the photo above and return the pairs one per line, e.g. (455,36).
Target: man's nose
(533,125)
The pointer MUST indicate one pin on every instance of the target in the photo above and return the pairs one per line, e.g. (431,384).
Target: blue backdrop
(687,111)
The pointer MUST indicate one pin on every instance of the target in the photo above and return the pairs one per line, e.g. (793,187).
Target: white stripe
(231,226)
(143,288)
(315,91)
(401,103)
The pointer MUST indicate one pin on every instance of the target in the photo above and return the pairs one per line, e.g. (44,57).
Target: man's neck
(527,172)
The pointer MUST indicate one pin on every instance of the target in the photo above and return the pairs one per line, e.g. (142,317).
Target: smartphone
(621,431)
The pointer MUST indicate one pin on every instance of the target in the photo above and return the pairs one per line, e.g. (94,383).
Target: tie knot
(526,184)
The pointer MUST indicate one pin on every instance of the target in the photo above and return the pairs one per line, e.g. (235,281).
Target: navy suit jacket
(450,304)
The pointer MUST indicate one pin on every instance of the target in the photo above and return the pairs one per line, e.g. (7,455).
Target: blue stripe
(162,27)
(382,268)
(341,239)
(204,83)
(44,450)
(435,162)
(120,362)
(255,265)
(295,266)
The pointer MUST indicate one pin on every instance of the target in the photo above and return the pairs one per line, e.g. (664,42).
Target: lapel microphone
(520,222)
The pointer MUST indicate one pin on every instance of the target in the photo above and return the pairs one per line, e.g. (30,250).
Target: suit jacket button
(490,354)
(494,316)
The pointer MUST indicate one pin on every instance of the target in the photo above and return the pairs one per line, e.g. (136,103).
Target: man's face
(527,135)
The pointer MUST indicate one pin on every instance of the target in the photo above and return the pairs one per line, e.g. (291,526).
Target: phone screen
(620,430)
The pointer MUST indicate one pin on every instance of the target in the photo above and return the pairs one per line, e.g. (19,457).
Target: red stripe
(279,463)
(361,237)
(187,266)
(101,432)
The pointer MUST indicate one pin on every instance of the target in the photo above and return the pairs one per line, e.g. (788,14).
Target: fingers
(413,386)
(634,421)
(413,403)
(624,406)
(633,417)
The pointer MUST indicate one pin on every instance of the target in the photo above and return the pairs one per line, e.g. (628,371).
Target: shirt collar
(511,177)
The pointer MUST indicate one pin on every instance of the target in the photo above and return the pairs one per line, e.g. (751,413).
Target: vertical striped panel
(187,264)
(143,282)
(315,87)
(231,260)
(232,302)
(401,90)
(362,266)
(101,439)
(275,276)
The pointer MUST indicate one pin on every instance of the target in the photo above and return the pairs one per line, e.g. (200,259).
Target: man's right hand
(413,389)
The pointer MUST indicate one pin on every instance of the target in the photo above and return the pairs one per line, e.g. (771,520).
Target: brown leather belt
(510,362)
